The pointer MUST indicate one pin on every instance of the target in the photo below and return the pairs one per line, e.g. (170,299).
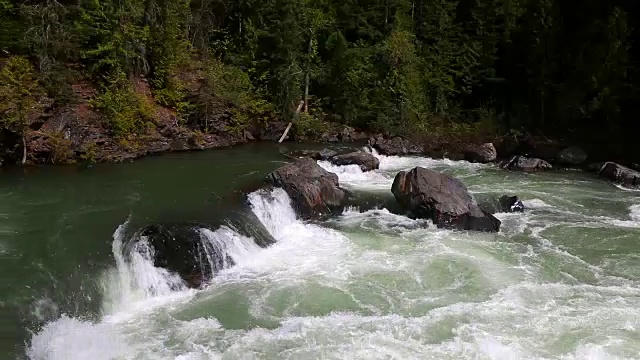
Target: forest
(398,67)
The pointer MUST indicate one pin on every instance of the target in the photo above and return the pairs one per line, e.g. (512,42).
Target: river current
(560,281)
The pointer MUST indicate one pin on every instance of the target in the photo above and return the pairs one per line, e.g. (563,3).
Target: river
(560,281)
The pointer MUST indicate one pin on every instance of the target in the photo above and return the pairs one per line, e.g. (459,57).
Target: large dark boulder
(526,164)
(314,191)
(184,249)
(620,174)
(572,156)
(445,200)
(484,153)
(366,161)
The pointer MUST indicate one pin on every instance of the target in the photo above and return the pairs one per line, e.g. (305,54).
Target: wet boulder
(445,200)
(314,192)
(593,167)
(572,156)
(366,161)
(620,174)
(484,153)
(185,249)
(395,146)
(510,204)
(324,154)
(523,163)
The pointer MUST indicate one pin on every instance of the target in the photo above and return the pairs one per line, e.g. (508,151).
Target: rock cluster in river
(424,193)
(366,161)
(315,194)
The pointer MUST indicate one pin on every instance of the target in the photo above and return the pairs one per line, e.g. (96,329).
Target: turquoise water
(558,282)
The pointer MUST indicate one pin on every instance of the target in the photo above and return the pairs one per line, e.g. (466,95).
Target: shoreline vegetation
(114,80)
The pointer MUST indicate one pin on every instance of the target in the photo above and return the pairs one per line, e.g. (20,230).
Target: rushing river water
(560,281)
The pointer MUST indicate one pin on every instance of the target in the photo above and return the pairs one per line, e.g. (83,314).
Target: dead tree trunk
(24,148)
(306,80)
(295,116)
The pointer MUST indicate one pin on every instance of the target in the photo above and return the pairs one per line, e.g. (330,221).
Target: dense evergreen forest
(400,67)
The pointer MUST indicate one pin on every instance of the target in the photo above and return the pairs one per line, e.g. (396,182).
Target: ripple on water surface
(378,285)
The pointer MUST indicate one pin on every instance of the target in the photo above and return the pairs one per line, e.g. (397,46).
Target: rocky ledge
(314,192)
(620,174)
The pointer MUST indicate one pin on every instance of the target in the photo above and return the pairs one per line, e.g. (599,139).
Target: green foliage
(49,35)
(173,96)
(61,152)
(228,87)
(310,125)
(125,111)
(396,66)
(18,92)
(89,152)
(168,39)
(12,29)
(114,38)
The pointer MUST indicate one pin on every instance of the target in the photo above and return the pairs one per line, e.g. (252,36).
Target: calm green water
(560,281)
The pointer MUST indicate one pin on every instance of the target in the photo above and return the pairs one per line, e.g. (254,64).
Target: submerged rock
(620,174)
(184,249)
(366,161)
(527,164)
(445,200)
(572,156)
(593,167)
(324,154)
(314,191)
(510,204)
(484,153)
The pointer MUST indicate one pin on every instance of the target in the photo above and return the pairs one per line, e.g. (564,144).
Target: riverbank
(75,132)
(80,129)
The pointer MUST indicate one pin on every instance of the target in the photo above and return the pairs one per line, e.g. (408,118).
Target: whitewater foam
(351,176)
(380,180)
(381,219)
(398,163)
(295,240)
(68,338)
(135,280)
(634,212)
(370,285)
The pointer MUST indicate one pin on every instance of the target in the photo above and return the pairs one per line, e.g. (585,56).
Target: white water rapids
(375,285)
